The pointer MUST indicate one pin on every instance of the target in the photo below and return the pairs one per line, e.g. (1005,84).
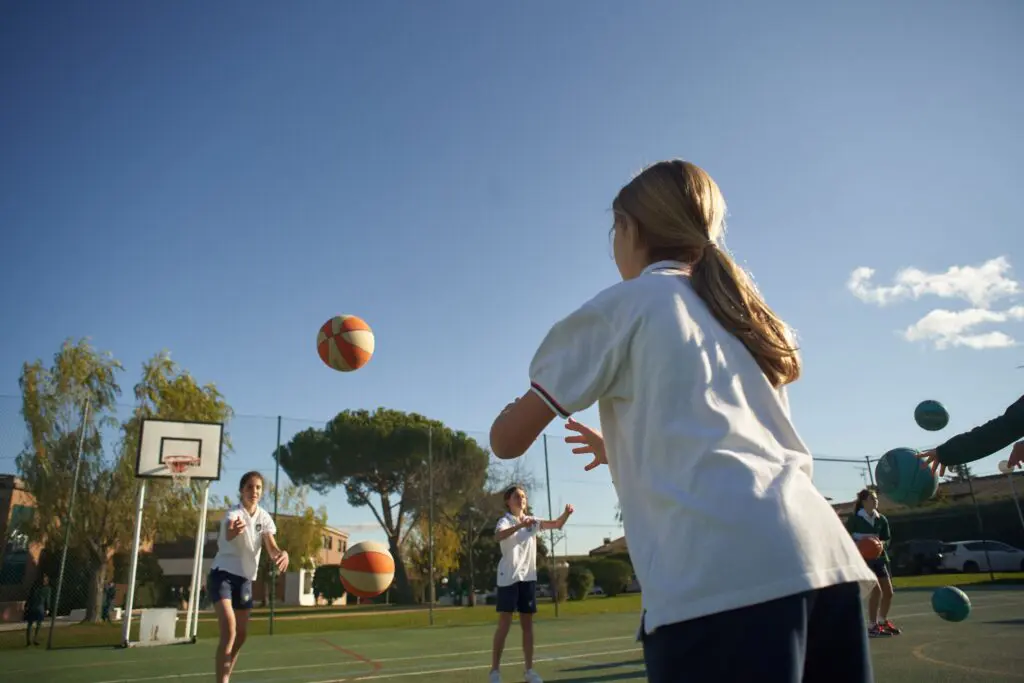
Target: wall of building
(19,558)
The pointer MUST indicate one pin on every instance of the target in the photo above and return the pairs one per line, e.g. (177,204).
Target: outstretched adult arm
(985,440)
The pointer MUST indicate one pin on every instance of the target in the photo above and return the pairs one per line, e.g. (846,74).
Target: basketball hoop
(179,466)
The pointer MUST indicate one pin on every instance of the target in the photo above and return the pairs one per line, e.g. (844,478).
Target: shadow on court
(592,672)
(628,676)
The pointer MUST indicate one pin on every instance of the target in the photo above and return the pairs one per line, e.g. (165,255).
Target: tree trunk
(94,600)
(403,591)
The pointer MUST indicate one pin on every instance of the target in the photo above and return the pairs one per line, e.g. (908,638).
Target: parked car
(970,556)
(918,556)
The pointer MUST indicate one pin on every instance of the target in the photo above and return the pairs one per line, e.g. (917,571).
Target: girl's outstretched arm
(557,523)
(519,425)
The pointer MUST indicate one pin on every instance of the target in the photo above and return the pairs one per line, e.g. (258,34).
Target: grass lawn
(318,620)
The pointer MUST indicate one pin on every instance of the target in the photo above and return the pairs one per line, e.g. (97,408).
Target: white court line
(425,672)
(387,660)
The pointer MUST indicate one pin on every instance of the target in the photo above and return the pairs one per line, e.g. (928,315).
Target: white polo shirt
(718,504)
(241,556)
(518,552)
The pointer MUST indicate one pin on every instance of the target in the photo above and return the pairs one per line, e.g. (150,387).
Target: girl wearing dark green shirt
(866,521)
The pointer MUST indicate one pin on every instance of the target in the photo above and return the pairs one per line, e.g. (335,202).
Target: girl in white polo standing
(245,530)
(516,532)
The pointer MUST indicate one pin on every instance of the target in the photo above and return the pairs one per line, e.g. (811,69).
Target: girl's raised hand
(235,527)
(591,440)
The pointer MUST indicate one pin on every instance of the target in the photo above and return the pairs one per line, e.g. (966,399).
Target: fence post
(68,521)
(277,484)
(1005,468)
(551,515)
(981,525)
(430,519)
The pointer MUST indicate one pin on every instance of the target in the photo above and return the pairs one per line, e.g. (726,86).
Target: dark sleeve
(885,533)
(985,440)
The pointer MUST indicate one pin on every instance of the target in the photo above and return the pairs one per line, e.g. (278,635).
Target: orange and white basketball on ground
(367,569)
(345,343)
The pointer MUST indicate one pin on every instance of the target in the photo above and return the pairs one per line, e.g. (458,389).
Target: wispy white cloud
(980,286)
(947,329)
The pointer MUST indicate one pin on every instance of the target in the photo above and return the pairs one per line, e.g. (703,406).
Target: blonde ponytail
(679,212)
(735,302)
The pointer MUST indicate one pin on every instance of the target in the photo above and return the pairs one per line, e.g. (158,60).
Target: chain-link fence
(432,494)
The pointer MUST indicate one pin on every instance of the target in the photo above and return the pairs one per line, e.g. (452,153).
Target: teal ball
(904,478)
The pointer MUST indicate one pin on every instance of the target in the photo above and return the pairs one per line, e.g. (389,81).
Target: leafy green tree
(53,407)
(613,576)
(380,459)
(446,550)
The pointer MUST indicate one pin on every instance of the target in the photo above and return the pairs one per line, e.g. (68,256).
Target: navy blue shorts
(880,567)
(813,637)
(520,597)
(35,615)
(222,585)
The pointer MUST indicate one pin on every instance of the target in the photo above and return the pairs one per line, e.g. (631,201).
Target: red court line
(375,665)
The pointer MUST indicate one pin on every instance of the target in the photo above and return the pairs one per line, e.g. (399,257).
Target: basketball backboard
(162,438)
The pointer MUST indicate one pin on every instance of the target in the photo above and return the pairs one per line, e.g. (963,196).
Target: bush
(613,576)
(580,581)
(327,582)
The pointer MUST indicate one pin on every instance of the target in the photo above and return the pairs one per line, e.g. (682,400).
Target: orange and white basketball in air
(345,343)
(367,569)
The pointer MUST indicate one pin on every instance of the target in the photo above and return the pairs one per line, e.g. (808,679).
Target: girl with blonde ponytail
(735,548)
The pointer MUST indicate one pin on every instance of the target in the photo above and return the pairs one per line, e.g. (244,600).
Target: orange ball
(367,569)
(870,548)
(345,343)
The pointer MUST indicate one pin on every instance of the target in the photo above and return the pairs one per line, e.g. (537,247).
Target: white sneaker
(495,677)
(533,677)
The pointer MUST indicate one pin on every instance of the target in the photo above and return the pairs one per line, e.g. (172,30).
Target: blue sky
(218,180)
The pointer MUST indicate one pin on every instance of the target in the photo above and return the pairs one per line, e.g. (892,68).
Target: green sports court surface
(598,647)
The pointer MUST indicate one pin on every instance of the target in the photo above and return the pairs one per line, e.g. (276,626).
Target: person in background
(516,533)
(982,442)
(109,591)
(38,605)
(865,522)
(245,531)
